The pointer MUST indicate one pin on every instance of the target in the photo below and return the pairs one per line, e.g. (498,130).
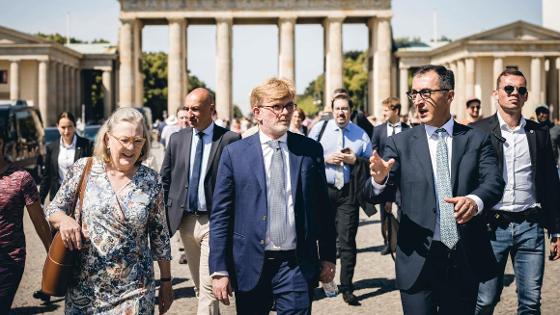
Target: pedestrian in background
(121,228)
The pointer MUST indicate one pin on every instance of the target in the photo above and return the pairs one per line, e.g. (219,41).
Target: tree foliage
(61,39)
(404,42)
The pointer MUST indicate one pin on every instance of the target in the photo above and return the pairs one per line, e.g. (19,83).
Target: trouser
(347,219)
(10,277)
(444,286)
(281,281)
(524,242)
(194,230)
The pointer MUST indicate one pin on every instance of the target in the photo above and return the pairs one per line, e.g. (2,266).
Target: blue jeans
(525,243)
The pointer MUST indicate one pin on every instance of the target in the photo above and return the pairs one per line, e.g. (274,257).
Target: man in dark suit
(69,144)
(188,174)
(391,126)
(272,235)
(447,174)
(531,199)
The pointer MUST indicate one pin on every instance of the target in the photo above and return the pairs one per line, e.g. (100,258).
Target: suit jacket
(378,141)
(49,181)
(175,171)
(555,137)
(473,171)
(547,186)
(238,221)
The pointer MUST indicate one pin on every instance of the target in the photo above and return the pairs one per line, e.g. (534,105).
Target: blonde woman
(122,225)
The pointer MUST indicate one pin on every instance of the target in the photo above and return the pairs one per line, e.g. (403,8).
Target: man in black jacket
(530,201)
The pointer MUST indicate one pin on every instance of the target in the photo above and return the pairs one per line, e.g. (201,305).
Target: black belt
(197,213)
(280,254)
(506,217)
(344,188)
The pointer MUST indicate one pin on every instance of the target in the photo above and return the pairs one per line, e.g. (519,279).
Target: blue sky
(255,48)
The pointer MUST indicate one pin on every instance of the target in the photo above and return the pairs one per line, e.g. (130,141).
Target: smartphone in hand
(346,150)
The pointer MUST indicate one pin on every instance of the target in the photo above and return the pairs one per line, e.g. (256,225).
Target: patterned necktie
(339,175)
(195,176)
(394,129)
(447,223)
(277,196)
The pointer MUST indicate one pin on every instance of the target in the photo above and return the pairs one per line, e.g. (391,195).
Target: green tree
(154,68)
(403,42)
(237,113)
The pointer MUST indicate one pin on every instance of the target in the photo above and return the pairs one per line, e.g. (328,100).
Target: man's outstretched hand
(378,168)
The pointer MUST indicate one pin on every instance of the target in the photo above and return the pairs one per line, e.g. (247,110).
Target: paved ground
(374,281)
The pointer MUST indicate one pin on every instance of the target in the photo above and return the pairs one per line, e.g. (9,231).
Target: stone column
(286,48)
(403,88)
(107,93)
(460,85)
(176,64)
(43,86)
(52,95)
(78,88)
(380,46)
(59,106)
(137,64)
(333,58)
(557,67)
(72,87)
(14,80)
(469,77)
(535,96)
(223,67)
(67,82)
(497,68)
(455,107)
(126,55)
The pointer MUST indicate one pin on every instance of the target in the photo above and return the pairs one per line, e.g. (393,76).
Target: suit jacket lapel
(383,135)
(498,144)
(216,139)
(295,166)
(532,139)
(255,160)
(54,157)
(187,151)
(419,142)
(457,148)
(78,150)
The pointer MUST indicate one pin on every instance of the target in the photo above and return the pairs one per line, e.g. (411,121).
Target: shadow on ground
(27,310)
(383,285)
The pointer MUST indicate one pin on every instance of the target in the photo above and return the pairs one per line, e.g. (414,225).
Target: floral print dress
(126,231)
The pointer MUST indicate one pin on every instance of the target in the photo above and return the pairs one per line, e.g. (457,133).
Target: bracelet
(164,279)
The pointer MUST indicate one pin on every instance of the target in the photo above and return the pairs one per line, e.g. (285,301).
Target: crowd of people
(265,206)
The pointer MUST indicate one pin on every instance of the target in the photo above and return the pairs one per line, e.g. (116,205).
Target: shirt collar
(207,132)
(71,146)
(448,126)
(395,125)
(264,138)
(336,127)
(504,125)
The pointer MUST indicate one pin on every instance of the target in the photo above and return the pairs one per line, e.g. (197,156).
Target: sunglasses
(521,90)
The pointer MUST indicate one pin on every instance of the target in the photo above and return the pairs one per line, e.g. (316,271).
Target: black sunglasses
(509,89)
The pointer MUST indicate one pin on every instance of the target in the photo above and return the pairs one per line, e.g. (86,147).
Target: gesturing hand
(379,168)
(465,208)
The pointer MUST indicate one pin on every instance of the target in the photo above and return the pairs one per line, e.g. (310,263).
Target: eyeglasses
(126,141)
(510,88)
(279,108)
(424,93)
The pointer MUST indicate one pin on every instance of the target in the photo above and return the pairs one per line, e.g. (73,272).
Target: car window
(4,121)
(26,126)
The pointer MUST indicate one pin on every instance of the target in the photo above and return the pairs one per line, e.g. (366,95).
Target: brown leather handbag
(60,261)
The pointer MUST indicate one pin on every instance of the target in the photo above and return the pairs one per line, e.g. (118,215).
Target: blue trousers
(525,243)
(281,281)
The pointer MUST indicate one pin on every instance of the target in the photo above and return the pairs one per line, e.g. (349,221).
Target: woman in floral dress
(121,228)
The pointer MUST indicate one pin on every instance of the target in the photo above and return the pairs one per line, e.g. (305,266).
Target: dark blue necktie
(195,176)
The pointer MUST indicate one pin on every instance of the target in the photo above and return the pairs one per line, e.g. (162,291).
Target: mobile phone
(346,150)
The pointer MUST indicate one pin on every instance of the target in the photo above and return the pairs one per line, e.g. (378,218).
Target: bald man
(189,175)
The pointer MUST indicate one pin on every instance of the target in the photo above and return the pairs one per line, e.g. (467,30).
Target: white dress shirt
(397,126)
(207,142)
(519,193)
(66,155)
(290,241)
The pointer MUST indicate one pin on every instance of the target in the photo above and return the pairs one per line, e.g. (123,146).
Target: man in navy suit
(272,234)
(447,175)
(391,126)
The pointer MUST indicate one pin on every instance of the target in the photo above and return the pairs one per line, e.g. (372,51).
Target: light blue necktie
(277,196)
(447,223)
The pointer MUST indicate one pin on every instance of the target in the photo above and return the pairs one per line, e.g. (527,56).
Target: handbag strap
(82,188)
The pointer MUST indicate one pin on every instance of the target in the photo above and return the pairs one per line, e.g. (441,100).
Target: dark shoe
(351,299)
(386,250)
(183,259)
(40,295)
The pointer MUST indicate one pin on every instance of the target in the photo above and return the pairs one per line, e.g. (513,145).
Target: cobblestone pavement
(374,282)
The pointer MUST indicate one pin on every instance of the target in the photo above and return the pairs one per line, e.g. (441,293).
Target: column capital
(224,19)
(178,20)
(287,19)
(558,63)
(335,18)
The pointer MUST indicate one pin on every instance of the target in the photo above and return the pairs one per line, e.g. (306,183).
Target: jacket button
(262,242)
(264,218)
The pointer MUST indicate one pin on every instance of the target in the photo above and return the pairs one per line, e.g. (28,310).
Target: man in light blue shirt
(344,144)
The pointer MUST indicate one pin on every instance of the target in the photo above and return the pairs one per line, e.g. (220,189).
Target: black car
(90,132)
(51,134)
(23,136)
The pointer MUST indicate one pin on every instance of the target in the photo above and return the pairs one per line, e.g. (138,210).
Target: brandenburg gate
(179,14)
